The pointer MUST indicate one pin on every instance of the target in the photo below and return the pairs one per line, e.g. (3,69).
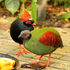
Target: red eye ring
(25,34)
(29,21)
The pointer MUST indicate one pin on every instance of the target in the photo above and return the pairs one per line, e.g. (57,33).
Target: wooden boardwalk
(60,59)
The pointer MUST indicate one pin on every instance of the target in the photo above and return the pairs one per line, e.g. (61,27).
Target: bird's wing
(50,39)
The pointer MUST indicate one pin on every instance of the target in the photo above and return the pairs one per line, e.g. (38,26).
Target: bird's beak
(33,24)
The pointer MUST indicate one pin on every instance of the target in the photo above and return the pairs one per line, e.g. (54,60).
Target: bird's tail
(61,45)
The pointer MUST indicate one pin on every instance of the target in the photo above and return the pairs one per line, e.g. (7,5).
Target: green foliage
(56,1)
(23,0)
(1,0)
(66,16)
(22,9)
(34,10)
(66,3)
(12,5)
(10,20)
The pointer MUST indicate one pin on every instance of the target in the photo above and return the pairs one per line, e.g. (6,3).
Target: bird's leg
(19,52)
(37,60)
(25,51)
(48,63)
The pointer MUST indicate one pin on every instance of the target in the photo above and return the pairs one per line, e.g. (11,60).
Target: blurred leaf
(34,10)
(23,0)
(12,5)
(62,0)
(1,0)
(66,5)
(35,0)
(65,1)
(28,8)
(65,16)
(66,20)
(56,1)
(22,9)
(10,20)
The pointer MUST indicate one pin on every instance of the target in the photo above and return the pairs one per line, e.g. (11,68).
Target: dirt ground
(60,59)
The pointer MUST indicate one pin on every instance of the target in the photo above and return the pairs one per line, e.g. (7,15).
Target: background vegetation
(60,9)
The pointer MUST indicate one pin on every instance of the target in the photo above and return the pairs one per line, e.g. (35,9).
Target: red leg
(25,51)
(37,60)
(48,63)
(19,52)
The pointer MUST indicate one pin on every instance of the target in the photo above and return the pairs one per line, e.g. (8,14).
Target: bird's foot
(19,53)
(25,51)
(34,63)
(47,64)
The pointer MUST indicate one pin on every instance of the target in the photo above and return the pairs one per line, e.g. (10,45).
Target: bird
(25,22)
(42,41)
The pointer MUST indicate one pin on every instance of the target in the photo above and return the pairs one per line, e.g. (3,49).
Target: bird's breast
(36,47)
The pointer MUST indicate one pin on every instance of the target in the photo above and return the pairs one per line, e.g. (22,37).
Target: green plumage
(35,46)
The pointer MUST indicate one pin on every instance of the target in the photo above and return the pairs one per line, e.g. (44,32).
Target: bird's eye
(26,22)
(29,22)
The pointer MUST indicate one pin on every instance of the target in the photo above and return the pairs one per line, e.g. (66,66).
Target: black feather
(16,27)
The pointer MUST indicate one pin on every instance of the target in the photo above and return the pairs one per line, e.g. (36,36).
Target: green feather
(35,46)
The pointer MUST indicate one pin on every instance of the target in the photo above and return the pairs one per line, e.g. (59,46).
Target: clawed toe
(47,64)
(25,51)
(19,53)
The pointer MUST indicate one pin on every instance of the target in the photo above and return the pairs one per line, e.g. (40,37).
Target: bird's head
(26,18)
(29,22)
(25,35)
